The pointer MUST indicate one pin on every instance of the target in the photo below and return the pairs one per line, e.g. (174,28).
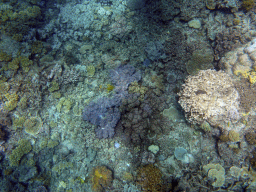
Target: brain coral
(210,96)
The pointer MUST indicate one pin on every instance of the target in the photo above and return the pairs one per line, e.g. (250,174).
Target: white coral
(210,96)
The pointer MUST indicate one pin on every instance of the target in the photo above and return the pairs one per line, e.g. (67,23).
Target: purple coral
(104,113)
(122,76)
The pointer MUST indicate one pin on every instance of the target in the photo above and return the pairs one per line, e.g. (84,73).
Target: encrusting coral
(101,178)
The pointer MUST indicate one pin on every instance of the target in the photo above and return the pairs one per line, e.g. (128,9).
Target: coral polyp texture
(210,96)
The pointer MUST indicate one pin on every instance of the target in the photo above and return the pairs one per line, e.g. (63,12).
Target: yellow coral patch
(245,74)
(252,77)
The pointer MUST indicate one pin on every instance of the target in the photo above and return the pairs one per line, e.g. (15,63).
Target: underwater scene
(127,95)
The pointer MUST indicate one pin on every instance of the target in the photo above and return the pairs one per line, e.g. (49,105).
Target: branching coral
(210,96)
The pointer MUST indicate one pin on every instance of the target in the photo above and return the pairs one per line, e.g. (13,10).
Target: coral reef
(74,72)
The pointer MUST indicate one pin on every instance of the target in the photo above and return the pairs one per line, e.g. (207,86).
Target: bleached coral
(210,96)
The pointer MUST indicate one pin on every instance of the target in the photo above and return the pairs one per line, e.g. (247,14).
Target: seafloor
(127,95)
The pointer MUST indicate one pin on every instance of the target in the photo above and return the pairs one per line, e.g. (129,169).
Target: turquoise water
(127,95)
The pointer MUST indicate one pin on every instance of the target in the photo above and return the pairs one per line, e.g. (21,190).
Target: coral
(69,76)
(120,28)
(123,76)
(141,118)
(25,63)
(16,20)
(200,60)
(190,9)
(153,148)
(239,172)
(228,40)
(251,138)
(18,122)
(104,113)
(56,95)
(206,126)
(90,70)
(182,154)
(23,148)
(33,125)
(62,165)
(4,88)
(23,102)
(4,56)
(210,96)
(14,64)
(136,88)
(210,4)
(233,136)
(252,77)
(127,177)
(33,11)
(248,4)
(155,50)
(52,143)
(101,178)
(54,86)
(12,100)
(247,92)
(18,62)
(224,138)
(217,172)
(150,178)
(110,87)
(64,105)
(38,47)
